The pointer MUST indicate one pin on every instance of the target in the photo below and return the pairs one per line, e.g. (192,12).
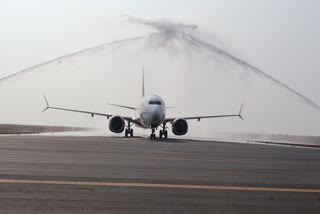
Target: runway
(41,174)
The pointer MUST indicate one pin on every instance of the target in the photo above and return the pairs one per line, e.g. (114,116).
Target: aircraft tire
(153,137)
(165,134)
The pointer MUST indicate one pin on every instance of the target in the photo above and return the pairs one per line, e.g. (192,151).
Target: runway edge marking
(150,185)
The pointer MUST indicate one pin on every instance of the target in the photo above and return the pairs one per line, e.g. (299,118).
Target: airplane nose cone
(157,118)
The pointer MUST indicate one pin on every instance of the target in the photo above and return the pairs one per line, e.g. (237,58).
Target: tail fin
(143,89)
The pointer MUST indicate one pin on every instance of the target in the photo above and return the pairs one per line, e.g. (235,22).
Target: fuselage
(152,111)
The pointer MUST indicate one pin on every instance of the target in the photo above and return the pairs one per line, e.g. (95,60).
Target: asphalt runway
(41,174)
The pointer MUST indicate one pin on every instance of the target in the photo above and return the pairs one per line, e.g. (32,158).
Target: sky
(282,38)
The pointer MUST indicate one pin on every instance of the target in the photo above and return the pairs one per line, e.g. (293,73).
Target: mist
(193,71)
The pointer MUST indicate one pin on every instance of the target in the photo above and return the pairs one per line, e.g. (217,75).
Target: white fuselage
(152,111)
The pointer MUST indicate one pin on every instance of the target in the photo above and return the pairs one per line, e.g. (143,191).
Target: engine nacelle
(180,126)
(116,124)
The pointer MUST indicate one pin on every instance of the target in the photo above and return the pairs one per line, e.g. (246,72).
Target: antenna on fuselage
(143,89)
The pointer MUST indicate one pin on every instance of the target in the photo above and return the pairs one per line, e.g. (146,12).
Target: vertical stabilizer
(143,89)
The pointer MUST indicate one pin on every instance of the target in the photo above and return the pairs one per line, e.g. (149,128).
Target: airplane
(152,115)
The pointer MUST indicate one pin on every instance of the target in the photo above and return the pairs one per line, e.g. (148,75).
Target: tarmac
(59,174)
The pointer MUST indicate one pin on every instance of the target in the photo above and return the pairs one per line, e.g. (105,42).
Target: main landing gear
(129,130)
(163,133)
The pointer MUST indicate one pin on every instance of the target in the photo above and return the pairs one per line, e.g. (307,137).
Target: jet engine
(116,124)
(179,126)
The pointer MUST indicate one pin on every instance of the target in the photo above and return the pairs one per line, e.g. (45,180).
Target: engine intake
(180,126)
(116,124)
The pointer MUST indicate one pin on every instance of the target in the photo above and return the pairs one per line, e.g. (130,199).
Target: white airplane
(152,115)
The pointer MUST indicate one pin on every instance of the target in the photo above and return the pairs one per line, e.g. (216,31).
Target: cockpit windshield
(155,102)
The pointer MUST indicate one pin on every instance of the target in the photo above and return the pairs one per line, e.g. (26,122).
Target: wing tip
(47,103)
(240,111)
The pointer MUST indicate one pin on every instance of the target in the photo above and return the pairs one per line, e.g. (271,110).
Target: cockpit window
(154,102)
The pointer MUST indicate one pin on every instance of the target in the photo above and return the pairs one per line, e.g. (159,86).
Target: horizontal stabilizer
(122,106)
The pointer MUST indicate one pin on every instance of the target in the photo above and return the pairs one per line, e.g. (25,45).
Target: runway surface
(41,174)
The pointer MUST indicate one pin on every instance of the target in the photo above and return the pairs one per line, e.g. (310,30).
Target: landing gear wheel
(153,137)
(129,133)
(165,134)
(129,130)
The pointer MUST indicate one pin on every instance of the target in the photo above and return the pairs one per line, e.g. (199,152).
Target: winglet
(239,114)
(47,103)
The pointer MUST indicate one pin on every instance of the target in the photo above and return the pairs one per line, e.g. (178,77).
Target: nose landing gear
(153,136)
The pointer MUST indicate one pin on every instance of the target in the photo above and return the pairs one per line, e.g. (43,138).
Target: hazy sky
(282,37)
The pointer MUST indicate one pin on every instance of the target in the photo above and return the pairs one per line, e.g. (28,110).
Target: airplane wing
(206,117)
(130,119)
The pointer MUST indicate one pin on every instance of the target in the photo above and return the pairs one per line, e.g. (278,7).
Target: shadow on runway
(147,139)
